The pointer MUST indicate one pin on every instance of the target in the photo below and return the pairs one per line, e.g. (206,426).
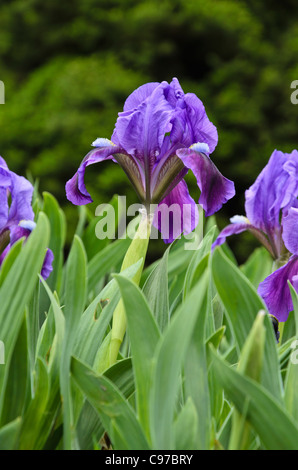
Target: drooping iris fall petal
(231,229)
(76,191)
(176,213)
(216,190)
(23,230)
(275,290)
(47,266)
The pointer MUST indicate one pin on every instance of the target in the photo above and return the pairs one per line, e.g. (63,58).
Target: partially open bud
(250,364)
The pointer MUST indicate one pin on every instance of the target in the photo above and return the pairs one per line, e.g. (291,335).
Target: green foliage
(199,367)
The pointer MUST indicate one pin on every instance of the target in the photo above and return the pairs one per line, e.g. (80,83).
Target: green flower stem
(136,251)
(281,326)
(281,261)
(250,364)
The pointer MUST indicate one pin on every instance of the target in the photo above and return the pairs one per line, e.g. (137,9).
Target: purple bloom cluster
(271,208)
(161,134)
(16,214)
(274,289)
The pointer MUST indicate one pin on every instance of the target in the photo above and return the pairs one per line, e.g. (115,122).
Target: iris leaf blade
(242,304)
(270,420)
(168,358)
(111,406)
(144,336)
(17,290)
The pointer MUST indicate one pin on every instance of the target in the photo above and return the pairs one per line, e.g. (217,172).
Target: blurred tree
(68,68)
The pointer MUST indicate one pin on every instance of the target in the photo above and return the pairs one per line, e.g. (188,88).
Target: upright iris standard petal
(215,188)
(198,127)
(275,290)
(190,122)
(4,172)
(275,189)
(141,130)
(139,96)
(269,199)
(290,230)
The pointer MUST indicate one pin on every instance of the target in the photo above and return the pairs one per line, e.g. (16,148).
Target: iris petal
(201,129)
(215,188)
(21,199)
(241,224)
(47,267)
(290,230)
(275,188)
(139,95)
(275,290)
(232,229)
(141,130)
(23,231)
(21,191)
(184,217)
(76,191)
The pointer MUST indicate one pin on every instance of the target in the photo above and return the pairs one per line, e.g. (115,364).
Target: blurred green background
(69,66)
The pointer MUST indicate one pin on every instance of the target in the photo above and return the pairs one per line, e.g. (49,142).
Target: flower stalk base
(136,251)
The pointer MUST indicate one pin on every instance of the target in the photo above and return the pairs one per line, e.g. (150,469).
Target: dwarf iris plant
(201,366)
(160,135)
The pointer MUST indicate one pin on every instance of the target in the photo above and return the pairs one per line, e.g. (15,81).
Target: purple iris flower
(160,135)
(23,230)
(15,201)
(274,289)
(271,207)
(267,202)
(16,213)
